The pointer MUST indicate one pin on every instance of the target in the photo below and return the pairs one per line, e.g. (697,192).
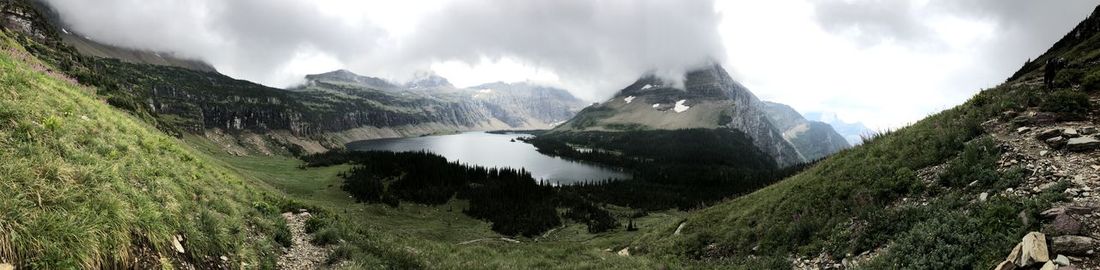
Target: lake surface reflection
(495,150)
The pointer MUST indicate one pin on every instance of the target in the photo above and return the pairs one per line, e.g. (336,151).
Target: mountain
(957,190)
(517,106)
(87,46)
(428,80)
(813,139)
(710,99)
(853,132)
(347,77)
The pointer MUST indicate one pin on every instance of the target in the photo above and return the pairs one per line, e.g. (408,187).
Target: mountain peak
(428,79)
(347,76)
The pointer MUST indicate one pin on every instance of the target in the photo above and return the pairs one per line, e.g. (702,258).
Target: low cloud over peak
(595,46)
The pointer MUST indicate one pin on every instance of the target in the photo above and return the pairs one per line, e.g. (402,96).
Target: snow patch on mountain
(680,107)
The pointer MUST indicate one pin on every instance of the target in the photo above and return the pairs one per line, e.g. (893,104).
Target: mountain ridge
(710,99)
(813,139)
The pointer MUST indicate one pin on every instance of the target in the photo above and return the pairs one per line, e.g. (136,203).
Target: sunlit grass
(86,186)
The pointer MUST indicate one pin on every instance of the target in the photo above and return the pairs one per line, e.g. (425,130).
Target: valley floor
(439,236)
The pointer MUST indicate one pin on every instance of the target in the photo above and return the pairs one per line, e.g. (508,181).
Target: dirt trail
(302,254)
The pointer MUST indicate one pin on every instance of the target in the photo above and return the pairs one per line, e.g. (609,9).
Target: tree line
(511,199)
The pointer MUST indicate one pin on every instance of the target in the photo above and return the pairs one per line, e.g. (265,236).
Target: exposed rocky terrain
(1053,154)
(302,254)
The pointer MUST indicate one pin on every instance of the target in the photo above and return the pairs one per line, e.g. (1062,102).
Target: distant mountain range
(813,139)
(852,132)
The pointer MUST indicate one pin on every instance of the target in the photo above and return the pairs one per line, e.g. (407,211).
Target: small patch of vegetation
(1068,104)
(975,164)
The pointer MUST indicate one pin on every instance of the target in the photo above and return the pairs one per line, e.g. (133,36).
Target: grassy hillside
(87,186)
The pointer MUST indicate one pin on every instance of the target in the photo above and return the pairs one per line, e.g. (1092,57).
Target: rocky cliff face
(518,106)
(710,99)
(814,140)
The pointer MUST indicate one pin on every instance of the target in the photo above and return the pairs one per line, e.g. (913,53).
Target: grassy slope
(87,186)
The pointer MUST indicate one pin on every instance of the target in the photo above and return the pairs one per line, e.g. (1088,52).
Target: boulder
(1044,118)
(1065,225)
(1014,255)
(1023,130)
(176,243)
(1088,130)
(1070,133)
(1082,144)
(1049,266)
(983,197)
(1033,249)
(1072,209)
(1056,142)
(1005,265)
(1073,245)
(1061,260)
(1047,134)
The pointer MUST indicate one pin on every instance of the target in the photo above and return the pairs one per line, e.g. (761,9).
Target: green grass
(86,186)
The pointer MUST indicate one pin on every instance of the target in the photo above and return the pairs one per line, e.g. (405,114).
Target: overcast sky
(882,62)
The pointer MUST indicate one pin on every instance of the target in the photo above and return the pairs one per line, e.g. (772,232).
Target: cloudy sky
(882,62)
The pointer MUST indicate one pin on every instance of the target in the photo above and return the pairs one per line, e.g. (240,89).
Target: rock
(1022,120)
(984,196)
(1044,118)
(1073,244)
(1065,225)
(1082,144)
(176,243)
(1005,265)
(1024,218)
(4,266)
(1053,212)
(1071,133)
(1061,260)
(1047,134)
(224,258)
(1088,130)
(1015,254)
(625,252)
(1043,153)
(1056,142)
(1049,266)
(680,228)
(1033,250)
(1023,130)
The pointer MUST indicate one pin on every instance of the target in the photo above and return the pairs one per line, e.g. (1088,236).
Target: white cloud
(886,63)
(883,62)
